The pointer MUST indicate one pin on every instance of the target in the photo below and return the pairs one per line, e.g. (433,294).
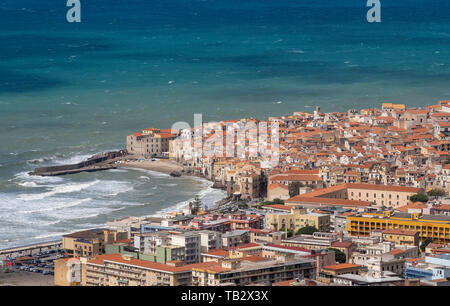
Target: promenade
(29,250)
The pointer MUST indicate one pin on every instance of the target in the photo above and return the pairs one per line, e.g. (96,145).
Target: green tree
(419,198)
(436,192)
(307,230)
(339,256)
(275,201)
(425,244)
(196,205)
(290,233)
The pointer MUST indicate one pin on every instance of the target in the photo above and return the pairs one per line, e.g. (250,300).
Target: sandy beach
(24,278)
(159,165)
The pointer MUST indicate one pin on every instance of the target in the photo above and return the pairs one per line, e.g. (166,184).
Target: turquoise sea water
(71,90)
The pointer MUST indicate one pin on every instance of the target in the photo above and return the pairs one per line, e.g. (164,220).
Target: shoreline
(164,166)
(159,165)
(168,166)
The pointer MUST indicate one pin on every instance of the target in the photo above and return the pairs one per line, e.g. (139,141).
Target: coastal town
(360,198)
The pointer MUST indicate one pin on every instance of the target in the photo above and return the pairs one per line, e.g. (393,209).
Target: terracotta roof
(118,258)
(383,187)
(302,199)
(278,206)
(218,252)
(396,251)
(288,248)
(245,246)
(341,266)
(277,185)
(416,205)
(341,244)
(296,177)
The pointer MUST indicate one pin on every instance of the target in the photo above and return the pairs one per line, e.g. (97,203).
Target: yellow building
(90,242)
(67,272)
(428,226)
(402,237)
(280,217)
(391,106)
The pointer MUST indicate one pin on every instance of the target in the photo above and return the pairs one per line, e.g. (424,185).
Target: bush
(278,201)
(419,198)
(437,192)
(339,256)
(307,230)
(275,201)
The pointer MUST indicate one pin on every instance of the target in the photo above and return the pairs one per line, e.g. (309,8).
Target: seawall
(97,162)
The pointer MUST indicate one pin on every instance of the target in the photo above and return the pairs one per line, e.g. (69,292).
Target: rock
(175,174)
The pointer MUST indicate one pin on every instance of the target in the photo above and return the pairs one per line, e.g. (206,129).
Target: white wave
(85,216)
(69,188)
(29,184)
(24,176)
(117,170)
(171,185)
(51,235)
(215,194)
(151,172)
(73,159)
(144,177)
(111,188)
(117,209)
(35,161)
(177,207)
(70,204)
(51,223)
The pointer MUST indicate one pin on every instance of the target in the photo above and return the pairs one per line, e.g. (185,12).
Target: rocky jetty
(97,162)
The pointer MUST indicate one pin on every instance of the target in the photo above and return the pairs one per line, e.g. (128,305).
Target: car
(46,272)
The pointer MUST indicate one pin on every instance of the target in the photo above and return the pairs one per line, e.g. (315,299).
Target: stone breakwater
(97,162)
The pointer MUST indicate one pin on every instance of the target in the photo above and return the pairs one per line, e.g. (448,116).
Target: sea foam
(69,188)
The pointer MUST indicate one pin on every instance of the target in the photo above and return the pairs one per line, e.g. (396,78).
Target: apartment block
(90,242)
(254,270)
(428,226)
(121,270)
(191,241)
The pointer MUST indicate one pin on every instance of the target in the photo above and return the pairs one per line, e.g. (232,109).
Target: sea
(71,90)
